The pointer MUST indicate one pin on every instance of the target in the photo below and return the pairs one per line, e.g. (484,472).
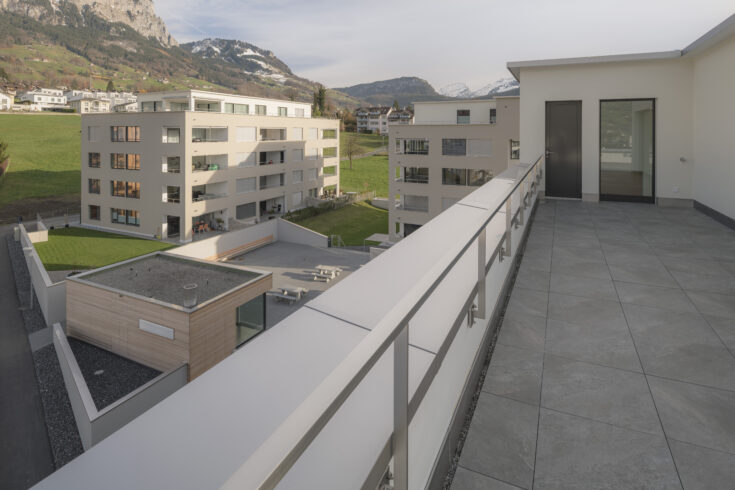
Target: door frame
(624,198)
(579,139)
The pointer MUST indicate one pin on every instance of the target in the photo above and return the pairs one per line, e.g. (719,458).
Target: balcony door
(564,149)
(627,150)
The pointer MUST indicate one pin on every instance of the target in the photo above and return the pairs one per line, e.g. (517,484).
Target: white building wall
(668,81)
(446,112)
(714,145)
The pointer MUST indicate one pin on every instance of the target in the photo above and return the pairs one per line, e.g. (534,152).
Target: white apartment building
(44,98)
(6,102)
(89,105)
(451,149)
(194,162)
(372,119)
(84,101)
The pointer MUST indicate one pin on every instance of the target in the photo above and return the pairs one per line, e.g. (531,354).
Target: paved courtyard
(292,265)
(614,366)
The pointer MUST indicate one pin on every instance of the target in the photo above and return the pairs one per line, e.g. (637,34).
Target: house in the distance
(6,102)
(42,99)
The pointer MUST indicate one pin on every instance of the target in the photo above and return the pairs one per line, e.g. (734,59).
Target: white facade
(446,112)
(201,101)
(694,99)
(6,102)
(44,98)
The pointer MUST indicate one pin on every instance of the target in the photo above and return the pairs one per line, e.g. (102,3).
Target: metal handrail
(289,441)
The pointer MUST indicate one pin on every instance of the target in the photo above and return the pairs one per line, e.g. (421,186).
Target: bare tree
(351,147)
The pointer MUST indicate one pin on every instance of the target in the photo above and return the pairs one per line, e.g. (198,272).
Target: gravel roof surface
(32,318)
(162,277)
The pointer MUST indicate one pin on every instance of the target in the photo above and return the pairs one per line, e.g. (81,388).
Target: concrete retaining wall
(293,233)
(380,202)
(95,425)
(51,296)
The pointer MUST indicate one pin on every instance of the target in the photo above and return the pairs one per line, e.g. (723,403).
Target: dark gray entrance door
(564,149)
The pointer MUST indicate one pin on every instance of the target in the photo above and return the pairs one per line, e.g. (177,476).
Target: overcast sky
(345,42)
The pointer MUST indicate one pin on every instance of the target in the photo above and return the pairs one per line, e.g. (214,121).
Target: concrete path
(614,366)
(25,453)
(382,149)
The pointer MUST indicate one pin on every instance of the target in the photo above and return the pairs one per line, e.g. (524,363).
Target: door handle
(549,153)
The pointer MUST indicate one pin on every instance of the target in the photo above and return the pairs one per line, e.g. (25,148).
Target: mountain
(404,89)
(138,14)
(504,86)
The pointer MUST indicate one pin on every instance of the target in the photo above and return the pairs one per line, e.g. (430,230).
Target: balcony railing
(282,450)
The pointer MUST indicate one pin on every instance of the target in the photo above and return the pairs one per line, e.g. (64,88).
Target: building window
(454,147)
(283,111)
(245,211)
(313,134)
(297,177)
(94,186)
(463,116)
(312,173)
(94,160)
(299,112)
(260,110)
(245,133)
(454,176)
(493,116)
(133,217)
(92,132)
(133,190)
(297,155)
(243,186)
(416,175)
(117,188)
(117,160)
(478,177)
(329,152)
(412,146)
(94,213)
(173,194)
(250,319)
(329,134)
(237,108)
(296,198)
(125,133)
(479,148)
(172,135)
(172,165)
(416,203)
(314,192)
(118,216)
(133,161)
(515,149)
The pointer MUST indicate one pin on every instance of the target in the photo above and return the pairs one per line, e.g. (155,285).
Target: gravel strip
(119,375)
(60,424)
(32,319)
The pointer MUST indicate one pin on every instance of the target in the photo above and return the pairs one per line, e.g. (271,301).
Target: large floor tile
(515,373)
(582,454)
(701,468)
(539,259)
(571,255)
(693,264)
(523,330)
(528,301)
(725,328)
(535,279)
(501,442)
(588,287)
(608,345)
(680,346)
(695,414)
(715,304)
(616,245)
(465,479)
(585,311)
(657,296)
(604,394)
(697,281)
(651,274)
(576,240)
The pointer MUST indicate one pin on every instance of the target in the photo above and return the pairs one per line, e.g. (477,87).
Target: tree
(351,147)
(291,93)
(396,105)
(110,87)
(320,99)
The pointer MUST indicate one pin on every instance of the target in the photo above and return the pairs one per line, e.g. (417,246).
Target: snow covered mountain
(504,86)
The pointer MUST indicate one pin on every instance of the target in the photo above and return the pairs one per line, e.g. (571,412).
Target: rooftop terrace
(614,365)
(161,277)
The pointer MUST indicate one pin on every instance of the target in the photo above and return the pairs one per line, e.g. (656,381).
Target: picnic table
(328,270)
(292,290)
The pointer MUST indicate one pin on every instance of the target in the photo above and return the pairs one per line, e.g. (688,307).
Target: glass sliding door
(250,319)
(627,150)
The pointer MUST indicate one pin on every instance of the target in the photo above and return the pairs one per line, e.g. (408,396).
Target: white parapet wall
(51,296)
(95,425)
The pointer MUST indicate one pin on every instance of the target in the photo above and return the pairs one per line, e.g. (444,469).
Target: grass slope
(79,248)
(367,174)
(365,142)
(353,223)
(44,154)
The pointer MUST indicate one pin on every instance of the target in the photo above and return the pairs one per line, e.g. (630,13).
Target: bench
(241,249)
(318,275)
(280,296)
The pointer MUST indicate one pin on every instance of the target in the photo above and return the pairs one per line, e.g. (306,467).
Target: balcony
(208,163)
(208,135)
(270,134)
(271,181)
(208,192)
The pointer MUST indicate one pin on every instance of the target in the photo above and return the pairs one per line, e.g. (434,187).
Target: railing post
(508,226)
(400,410)
(481,262)
(522,205)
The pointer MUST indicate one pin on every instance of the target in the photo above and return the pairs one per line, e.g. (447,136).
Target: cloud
(346,42)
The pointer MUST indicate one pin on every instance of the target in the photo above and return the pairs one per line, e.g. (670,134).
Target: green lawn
(367,174)
(353,223)
(79,248)
(44,154)
(365,142)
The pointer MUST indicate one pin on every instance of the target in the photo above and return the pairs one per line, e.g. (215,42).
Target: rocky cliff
(138,14)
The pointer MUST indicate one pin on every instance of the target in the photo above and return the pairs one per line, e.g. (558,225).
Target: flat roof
(161,277)
(173,93)
(720,32)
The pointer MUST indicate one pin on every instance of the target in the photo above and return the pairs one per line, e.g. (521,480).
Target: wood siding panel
(110,320)
(212,328)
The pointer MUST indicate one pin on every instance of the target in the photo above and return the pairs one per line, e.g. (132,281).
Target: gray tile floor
(614,366)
